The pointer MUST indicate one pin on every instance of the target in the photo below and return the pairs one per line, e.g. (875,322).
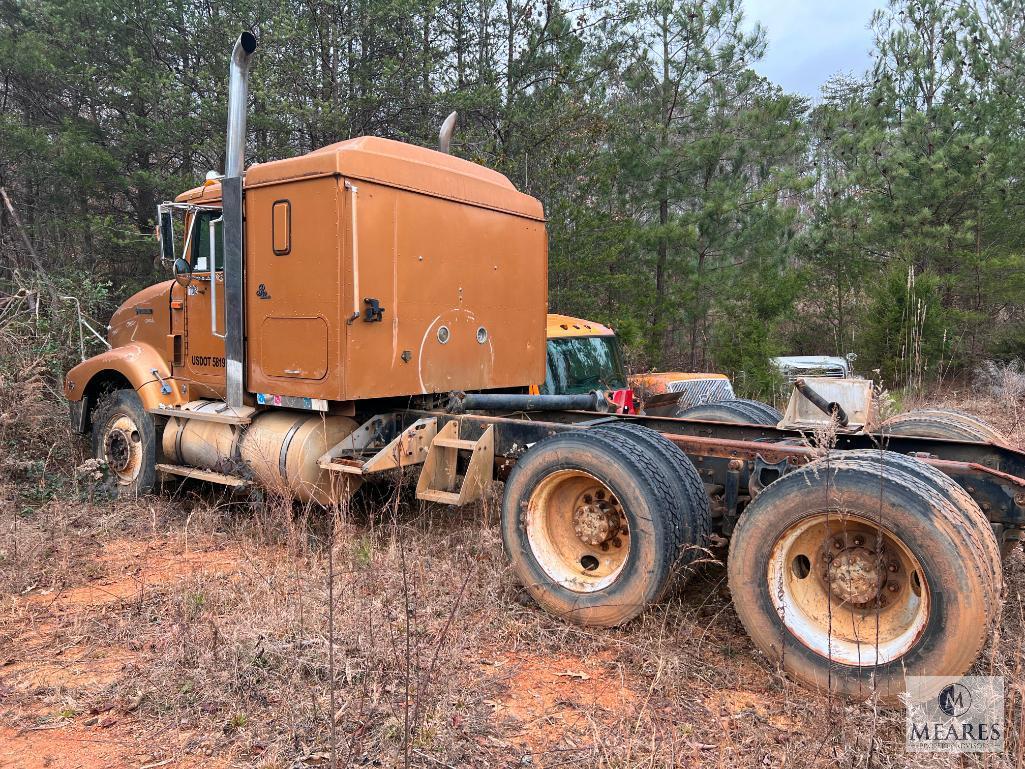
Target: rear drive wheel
(591,527)
(125,439)
(945,485)
(735,411)
(694,513)
(853,576)
(941,423)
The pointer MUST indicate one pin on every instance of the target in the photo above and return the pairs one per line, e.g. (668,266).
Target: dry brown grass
(194,628)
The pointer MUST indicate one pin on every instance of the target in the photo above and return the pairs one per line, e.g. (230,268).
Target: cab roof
(561,326)
(395,164)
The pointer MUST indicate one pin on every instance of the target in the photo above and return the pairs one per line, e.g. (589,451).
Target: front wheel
(124,438)
(853,575)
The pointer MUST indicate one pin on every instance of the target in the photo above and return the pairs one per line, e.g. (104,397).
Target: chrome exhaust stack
(238,96)
(231,212)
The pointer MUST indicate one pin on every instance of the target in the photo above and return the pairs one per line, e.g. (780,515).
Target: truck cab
(584,355)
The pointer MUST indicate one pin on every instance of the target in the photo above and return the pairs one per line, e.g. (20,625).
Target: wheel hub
(123,448)
(119,450)
(596,523)
(848,588)
(577,530)
(855,575)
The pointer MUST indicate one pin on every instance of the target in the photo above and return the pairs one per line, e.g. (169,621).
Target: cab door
(202,361)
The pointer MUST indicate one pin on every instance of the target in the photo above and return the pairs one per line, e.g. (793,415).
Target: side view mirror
(165,233)
(182,272)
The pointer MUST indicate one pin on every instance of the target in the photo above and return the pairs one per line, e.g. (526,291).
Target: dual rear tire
(851,573)
(599,523)
(946,423)
(863,568)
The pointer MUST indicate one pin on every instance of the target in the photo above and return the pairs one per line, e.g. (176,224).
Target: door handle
(357,310)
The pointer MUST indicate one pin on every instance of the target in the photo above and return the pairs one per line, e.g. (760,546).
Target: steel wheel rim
(122,448)
(577,531)
(848,589)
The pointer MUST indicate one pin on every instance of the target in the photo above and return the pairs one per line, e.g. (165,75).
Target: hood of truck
(142,317)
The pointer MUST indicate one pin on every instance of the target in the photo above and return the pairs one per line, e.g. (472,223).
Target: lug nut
(892,587)
(892,567)
(858,541)
(838,544)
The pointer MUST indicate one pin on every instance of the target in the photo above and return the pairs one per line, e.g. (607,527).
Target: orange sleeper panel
(293,338)
(464,291)
(451,255)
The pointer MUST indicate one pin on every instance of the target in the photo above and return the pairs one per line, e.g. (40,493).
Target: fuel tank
(278,448)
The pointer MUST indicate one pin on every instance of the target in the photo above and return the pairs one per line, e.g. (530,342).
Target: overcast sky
(810,40)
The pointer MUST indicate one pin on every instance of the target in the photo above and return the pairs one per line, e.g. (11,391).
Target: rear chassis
(736,462)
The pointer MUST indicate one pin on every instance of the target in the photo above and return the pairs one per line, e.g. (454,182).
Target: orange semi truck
(341,315)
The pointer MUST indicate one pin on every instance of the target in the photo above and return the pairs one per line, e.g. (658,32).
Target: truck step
(437,495)
(361,453)
(352,465)
(202,475)
(439,480)
(227,416)
(455,443)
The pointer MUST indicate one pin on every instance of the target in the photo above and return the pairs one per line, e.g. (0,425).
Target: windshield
(584,363)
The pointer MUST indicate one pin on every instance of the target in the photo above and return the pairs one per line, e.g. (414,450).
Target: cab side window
(201,242)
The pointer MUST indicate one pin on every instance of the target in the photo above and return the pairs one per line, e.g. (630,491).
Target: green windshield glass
(584,363)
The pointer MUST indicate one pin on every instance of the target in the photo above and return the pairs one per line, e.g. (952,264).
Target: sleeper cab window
(281,226)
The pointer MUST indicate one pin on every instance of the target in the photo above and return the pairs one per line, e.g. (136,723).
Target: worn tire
(735,411)
(634,477)
(946,486)
(941,423)
(951,544)
(694,510)
(124,437)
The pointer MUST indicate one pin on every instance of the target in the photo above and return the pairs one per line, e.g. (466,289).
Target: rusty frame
(732,458)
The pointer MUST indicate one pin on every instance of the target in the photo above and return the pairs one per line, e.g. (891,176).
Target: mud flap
(78,412)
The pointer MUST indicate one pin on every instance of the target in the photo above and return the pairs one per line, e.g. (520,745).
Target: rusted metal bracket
(439,481)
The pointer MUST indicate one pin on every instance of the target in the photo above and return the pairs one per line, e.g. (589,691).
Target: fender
(137,365)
